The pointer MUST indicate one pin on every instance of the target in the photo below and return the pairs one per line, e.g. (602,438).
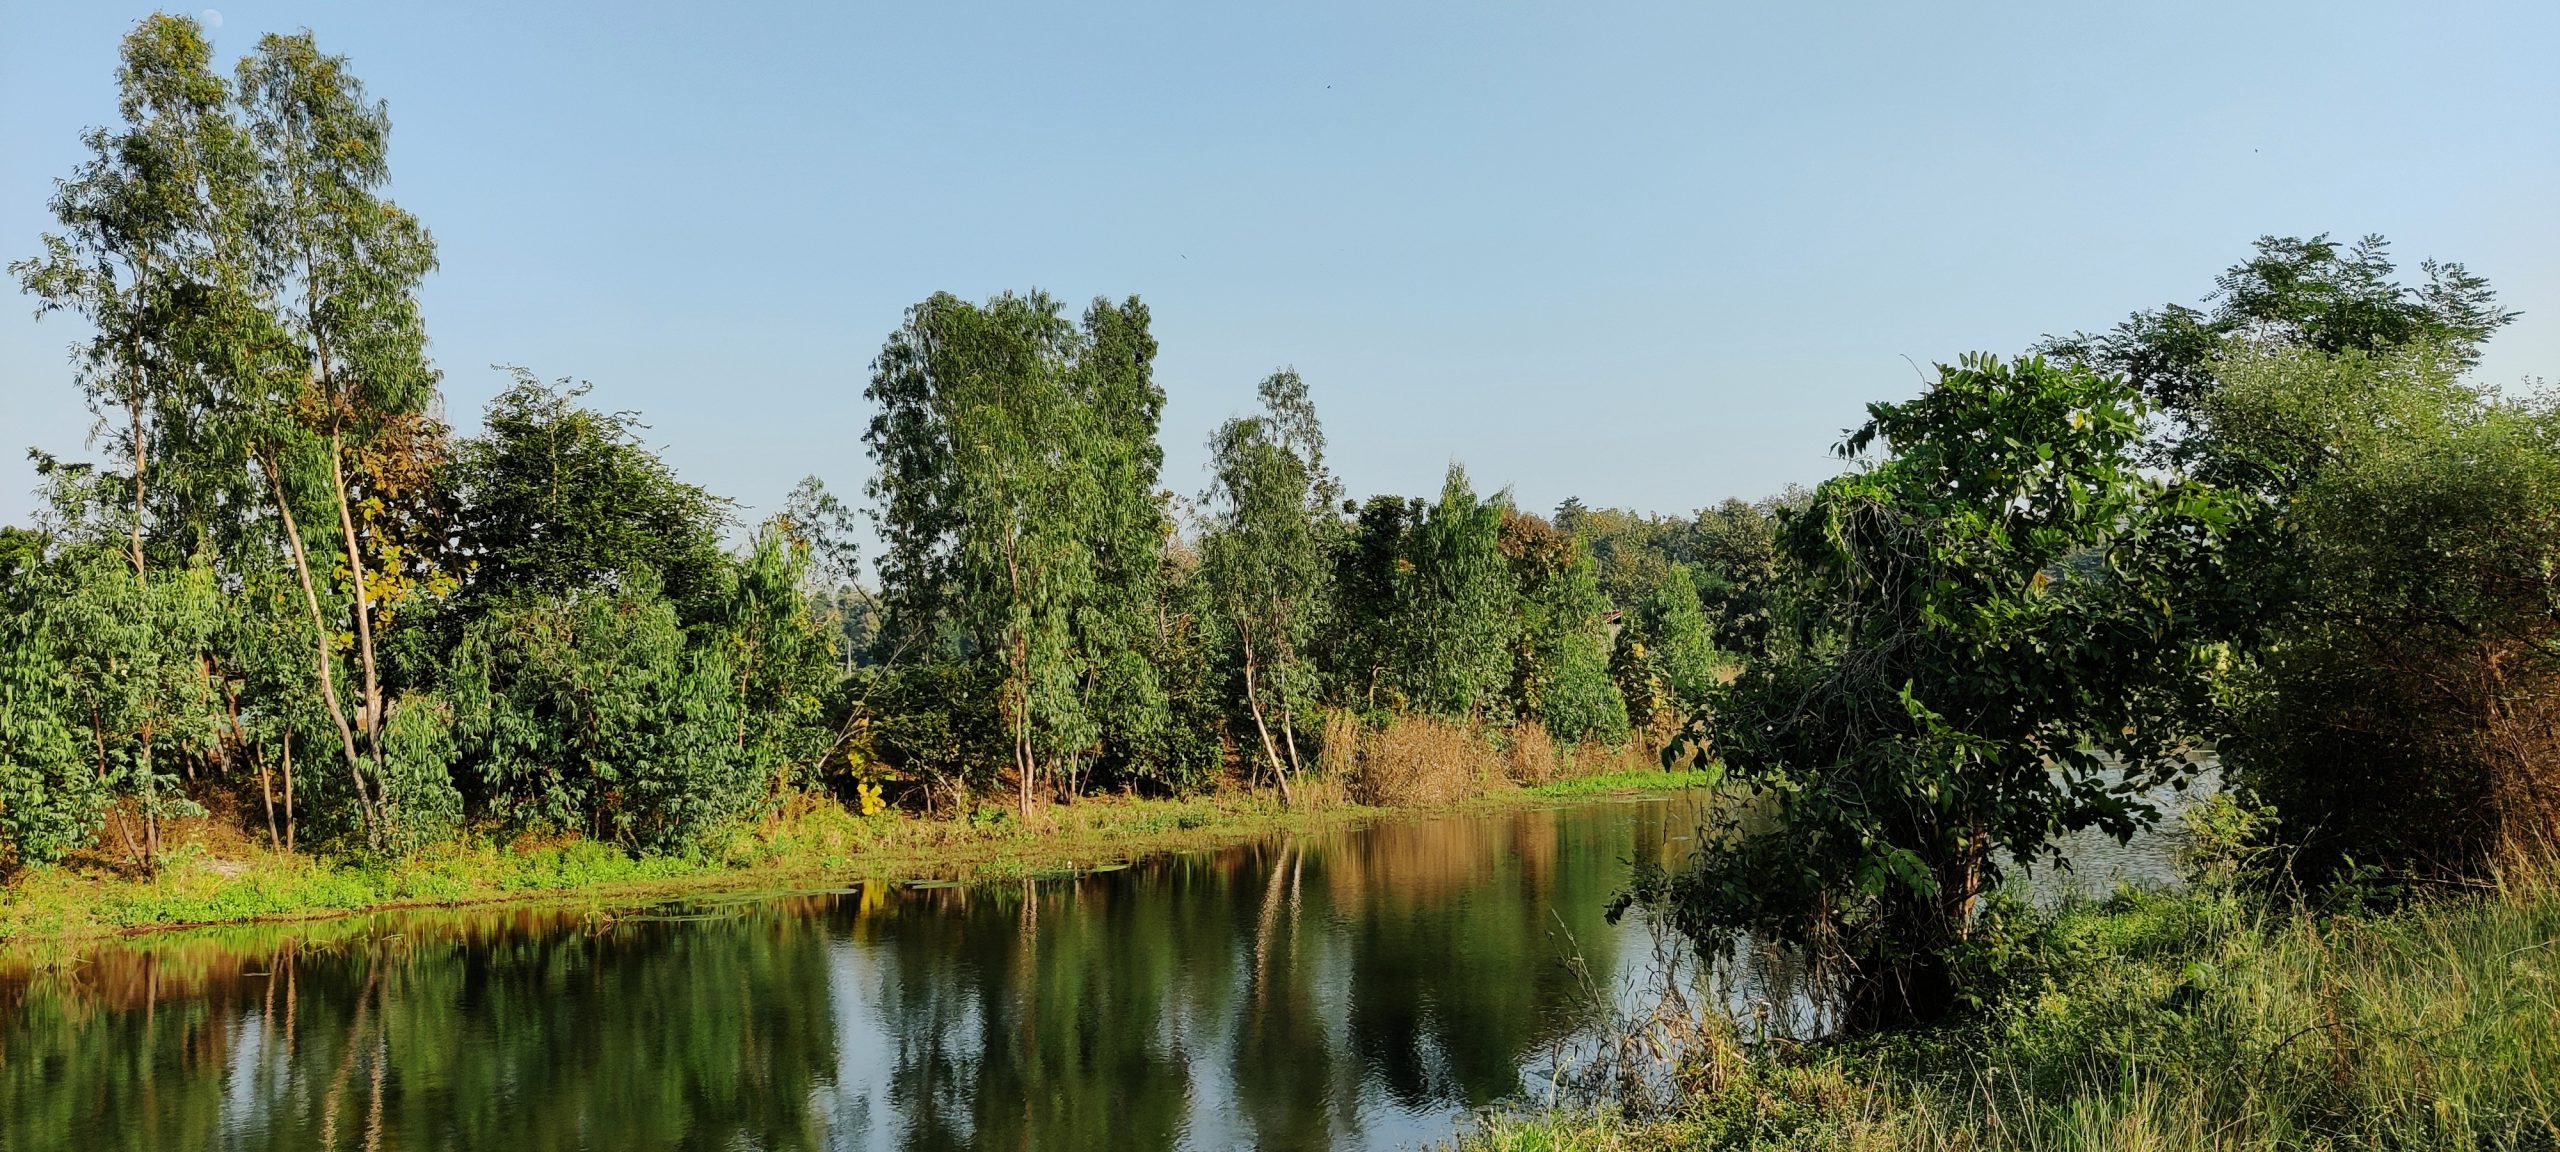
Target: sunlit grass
(1637,780)
(2176,1022)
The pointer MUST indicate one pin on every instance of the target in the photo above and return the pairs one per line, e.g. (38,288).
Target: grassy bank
(215,880)
(2173,1022)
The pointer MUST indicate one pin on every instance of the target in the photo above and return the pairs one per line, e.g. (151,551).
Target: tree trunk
(288,790)
(328,679)
(115,814)
(1289,738)
(267,792)
(1025,765)
(1253,701)
(364,604)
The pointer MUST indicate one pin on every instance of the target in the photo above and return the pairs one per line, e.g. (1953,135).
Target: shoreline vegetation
(813,840)
(2215,1017)
(291,645)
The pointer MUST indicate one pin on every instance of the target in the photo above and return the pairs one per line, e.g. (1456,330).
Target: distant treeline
(2285,523)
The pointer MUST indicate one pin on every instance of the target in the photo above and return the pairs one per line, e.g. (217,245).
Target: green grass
(2172,1022)
(1640,780)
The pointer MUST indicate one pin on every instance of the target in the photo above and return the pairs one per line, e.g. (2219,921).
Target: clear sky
(1653,256)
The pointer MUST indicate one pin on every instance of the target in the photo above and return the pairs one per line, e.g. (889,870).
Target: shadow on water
(1358,989)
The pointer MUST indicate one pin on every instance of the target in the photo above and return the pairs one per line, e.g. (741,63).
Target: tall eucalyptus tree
(152,257)
(1014,452)
(341,265)
(148,254)
(1264,557)
(1113,387)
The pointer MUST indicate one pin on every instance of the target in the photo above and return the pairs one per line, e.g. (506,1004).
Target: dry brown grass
(1532,757)
(1343,735)
(1422,761)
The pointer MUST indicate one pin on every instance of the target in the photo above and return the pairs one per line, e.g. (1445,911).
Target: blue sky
(1653,256)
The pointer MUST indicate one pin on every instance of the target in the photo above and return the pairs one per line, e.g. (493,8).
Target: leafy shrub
(591,713)
(420,806)
(2404,711)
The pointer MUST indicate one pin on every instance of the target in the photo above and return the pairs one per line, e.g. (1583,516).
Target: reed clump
(1530,756)
(1421,761)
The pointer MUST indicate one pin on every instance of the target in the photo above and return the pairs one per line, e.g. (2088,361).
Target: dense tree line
(2286,524)
(290,595)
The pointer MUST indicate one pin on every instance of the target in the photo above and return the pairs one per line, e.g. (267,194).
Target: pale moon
(213,17)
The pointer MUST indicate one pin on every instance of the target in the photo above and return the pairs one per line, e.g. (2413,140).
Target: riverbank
(205,883)
(2198,1020)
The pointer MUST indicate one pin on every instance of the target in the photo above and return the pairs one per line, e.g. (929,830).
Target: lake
(1367,988)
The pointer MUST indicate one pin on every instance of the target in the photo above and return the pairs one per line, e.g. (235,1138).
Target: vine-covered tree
(1456,607)
(592,713)
(1676,633)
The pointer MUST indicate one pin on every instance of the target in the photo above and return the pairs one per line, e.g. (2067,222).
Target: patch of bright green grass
(1642,780)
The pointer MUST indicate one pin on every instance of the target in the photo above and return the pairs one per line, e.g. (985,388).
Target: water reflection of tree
(1267,995)
(639,1035)
(1036,1016)
(1460,930)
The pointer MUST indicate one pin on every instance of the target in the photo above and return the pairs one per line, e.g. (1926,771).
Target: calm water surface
(1353,990)
(1359,989)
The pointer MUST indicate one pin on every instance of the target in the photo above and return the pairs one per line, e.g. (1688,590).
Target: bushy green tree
(591,713)
(781,657)
(1456,606)
(1015,469)
(2385,677)
(119,661)
(2400,710)
(1186,651)
(1980,619)
(1675,631)
(420,805)
(1359,653)
(1732,558)
(1629,552)
(558,497)
(51,794)
(1560,654)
